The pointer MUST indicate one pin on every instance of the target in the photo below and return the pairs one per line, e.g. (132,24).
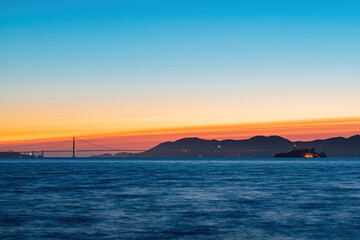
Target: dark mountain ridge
(258,146)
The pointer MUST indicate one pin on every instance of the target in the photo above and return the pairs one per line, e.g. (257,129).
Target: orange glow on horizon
(293,130)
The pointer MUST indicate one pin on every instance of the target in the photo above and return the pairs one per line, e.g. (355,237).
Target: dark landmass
(301,153)
(117,155)
(12,154)
(105,155)
(259,146)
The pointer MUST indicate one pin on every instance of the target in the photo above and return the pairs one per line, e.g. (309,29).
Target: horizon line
(294,130)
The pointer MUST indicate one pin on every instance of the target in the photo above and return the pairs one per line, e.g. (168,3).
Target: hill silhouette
(258,146)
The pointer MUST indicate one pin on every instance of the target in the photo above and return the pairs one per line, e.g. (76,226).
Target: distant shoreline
(255,147)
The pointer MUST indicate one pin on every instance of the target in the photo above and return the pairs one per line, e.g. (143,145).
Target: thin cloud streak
(293,130)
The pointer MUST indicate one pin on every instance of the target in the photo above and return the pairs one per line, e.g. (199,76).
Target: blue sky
(190,38)
(249,60)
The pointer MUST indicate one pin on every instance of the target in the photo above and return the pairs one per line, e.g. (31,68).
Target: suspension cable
(93,144)
(57,145)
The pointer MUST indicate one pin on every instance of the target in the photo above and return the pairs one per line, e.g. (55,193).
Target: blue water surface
(180,199)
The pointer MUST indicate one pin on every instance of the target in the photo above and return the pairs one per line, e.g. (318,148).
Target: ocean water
(180,199)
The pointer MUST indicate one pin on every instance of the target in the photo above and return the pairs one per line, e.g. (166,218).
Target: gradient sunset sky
(134,73)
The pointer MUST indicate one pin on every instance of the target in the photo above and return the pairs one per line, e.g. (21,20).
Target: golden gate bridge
(53,149)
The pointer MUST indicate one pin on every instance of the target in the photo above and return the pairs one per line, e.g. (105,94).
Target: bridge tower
(73,147)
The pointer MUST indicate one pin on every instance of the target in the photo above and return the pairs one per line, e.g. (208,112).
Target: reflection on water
(174,199)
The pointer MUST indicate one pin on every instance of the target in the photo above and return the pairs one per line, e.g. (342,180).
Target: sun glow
(147,138)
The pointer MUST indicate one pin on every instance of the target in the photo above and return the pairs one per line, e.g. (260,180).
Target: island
(301,153)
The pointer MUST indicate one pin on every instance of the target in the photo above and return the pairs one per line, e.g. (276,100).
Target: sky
(135,73)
